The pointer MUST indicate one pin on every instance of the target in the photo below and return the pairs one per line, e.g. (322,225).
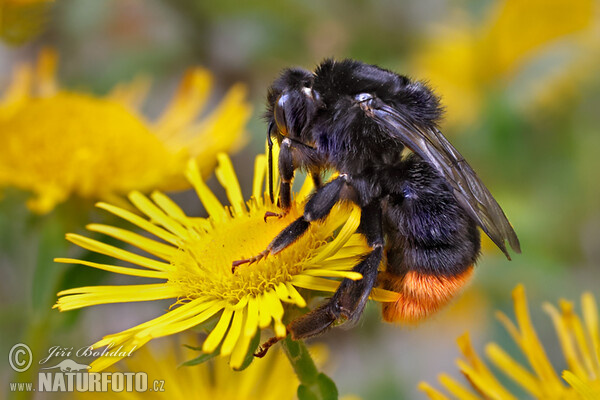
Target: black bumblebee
(420,212)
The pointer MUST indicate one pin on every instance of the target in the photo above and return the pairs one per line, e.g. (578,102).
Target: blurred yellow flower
(197,267)
(272,378)
(58,143)
(580,343)
(21,20)
(464,62)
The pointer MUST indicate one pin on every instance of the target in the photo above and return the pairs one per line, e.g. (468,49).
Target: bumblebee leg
(316,177)
(287,165)
(352,295)
(293,155)
(318,207)
(350,298)
(286,173)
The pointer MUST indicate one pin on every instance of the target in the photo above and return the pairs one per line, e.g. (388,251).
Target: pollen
(205,264)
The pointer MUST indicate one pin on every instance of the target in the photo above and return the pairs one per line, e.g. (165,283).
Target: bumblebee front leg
(292,155)
(318,207)
(350,298)
(287,165)
(286,174)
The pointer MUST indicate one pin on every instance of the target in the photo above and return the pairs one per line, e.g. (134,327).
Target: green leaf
(251,350)
(195,348)
(304,393)
(314,385)
(200,359)
(326,387)
(47,273)
(323,388)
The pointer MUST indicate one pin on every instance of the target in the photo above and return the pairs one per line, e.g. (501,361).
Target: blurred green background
(522,92)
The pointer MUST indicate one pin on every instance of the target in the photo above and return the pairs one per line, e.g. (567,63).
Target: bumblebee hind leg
(351,296)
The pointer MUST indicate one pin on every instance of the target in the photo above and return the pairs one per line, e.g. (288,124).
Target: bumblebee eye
(316,96)
(280,114)
(362,97)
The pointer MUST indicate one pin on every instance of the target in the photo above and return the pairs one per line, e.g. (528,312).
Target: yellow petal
(218,333)
(531,345)
(144,273)
(432,393)
(576,327)
(156,214)
(182,324)
(355,276)
(272,302)
(295,295)
(306,189)
(252,317)
(315,283)
(46,72)
(103,248)
(102,363)
(153,247)
(234,333)
(456,388)
(240,350)
(347,230)
(489,388)
(228,179)
(260,166)
(170,207)
(383,295)
(566,341)
(185,311)
(71,299)
(513,369)
(20,86)
(213,207)
(140,222)
(590,317)
(185,106)
(264,316)
(478,372)
(131,94)
(586,391)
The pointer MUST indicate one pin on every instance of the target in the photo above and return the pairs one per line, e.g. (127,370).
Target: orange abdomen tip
(421,294)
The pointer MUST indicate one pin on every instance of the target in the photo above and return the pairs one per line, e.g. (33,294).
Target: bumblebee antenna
(270,144)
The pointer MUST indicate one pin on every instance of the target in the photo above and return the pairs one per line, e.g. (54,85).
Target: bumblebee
(421,209)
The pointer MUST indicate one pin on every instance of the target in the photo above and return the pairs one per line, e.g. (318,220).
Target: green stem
(302,362)
(314,385)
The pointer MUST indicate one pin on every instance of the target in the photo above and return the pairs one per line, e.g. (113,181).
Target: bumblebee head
(291,104)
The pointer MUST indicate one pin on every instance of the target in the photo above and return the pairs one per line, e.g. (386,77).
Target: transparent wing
(470,192)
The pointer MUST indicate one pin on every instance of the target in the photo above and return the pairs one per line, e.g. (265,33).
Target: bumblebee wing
(470,192)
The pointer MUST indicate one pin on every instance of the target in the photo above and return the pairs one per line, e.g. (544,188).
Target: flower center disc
(204,267)
(45,147)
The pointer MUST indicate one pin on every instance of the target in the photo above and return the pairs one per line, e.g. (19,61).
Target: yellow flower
(580,343)
(198,254)
(272,378)
(465,61)
(58,143)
